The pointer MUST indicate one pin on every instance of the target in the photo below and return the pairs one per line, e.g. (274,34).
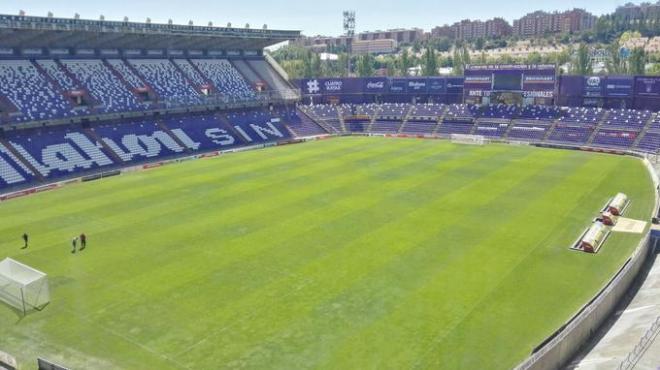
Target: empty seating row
(103,85)
(31,93)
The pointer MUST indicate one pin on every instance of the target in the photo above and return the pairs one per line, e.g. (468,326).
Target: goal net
(23,287)
(468,139)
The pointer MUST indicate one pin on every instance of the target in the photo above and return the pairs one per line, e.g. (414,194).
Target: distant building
(323,43)
(630,11)
(444,31)
(470,30)
(540,23)
(380,46)
(401,36)
(379,41)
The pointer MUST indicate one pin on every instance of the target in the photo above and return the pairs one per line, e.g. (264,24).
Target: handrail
(636,354)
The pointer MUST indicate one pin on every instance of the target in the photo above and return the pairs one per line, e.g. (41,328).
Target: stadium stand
(225,78)
(103,85)
(126,73)
(571,134)
(166,79)
(582,116)
(31,93)
(528,131)
(12,171)
(272,78)
(58,151)
(326,115)
(257,126)
(57,74)
(139,140)
(190,72)
(615,138)
(300,124)
(491,128)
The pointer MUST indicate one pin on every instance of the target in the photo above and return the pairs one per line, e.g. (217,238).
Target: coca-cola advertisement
(377,85)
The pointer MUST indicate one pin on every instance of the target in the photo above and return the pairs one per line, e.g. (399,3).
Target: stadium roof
(49,32)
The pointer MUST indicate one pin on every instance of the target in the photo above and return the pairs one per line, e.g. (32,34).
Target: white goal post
(468,139)
(22,286)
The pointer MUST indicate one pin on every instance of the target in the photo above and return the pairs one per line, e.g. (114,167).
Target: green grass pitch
(351,253)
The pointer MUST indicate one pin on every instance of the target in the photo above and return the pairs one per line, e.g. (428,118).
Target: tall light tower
(349,31)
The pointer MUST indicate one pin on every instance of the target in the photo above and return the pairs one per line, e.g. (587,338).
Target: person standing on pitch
(83,241)
(25,240)
(74,242)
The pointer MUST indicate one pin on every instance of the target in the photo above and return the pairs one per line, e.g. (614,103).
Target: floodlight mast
(349,31)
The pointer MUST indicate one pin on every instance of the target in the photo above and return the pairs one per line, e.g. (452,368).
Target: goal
(468,139)
(23,287)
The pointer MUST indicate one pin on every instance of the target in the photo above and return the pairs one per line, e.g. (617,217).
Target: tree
(417,47)
(308,71)
(365,66)
(534,58)
(458,62)
(483,58)
(505,59)
(466,55)
(655,69)
(405,62)
(637,62)
(560,58)
(615,64)
(442,44)
(316,65)
(390,65)
(342,61)
(583,64)
(430,66)
(479,44)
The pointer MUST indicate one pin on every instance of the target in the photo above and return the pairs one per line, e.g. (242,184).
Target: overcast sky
(311,17)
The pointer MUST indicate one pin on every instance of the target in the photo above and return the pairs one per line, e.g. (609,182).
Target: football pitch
(350,253)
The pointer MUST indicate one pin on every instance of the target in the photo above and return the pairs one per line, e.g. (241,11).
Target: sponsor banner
(571,86)
(510,67)
(455,85)
(526,77)
(88,52)
(6,51)
(376,85)
(647,86)
(154,52)
(478,93)
(195,53)
(539,94)
(32,51)
(332,86)
(398,85)
(436,85)
(480,80)
(132,52)
(112,52)
(152,165)
(380,85)
(594,86)
(537,82)
(416,86)
(58,52)
(619,86)
(175,52)
(45,188)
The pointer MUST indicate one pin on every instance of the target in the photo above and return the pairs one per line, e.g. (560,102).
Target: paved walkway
(624,330)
